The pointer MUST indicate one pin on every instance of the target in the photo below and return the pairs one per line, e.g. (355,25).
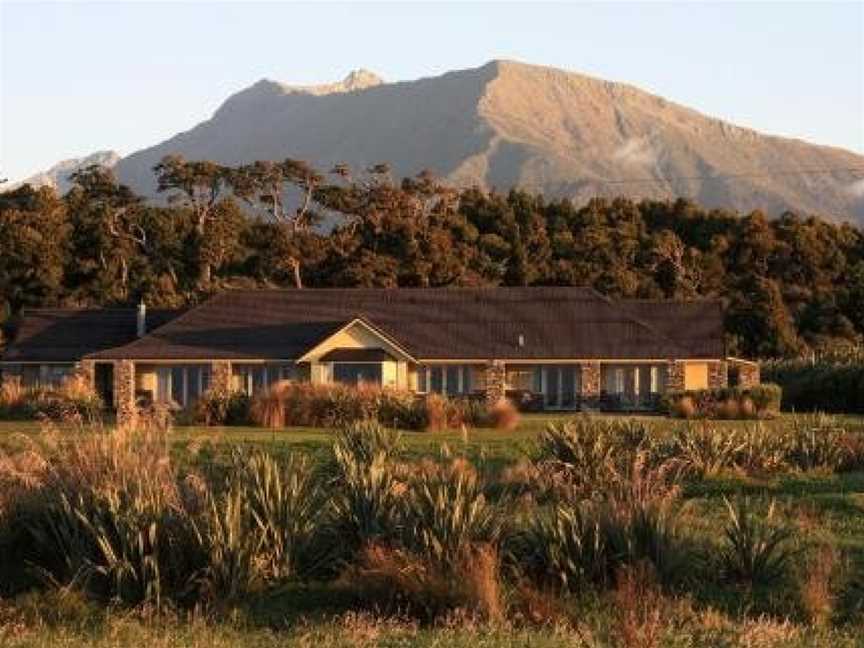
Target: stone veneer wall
(87,370)
(590,385)
(748,375)
(675,376)
(496,381)
(10,375)
(718,375)
(220,377)
(589,379)
(124,393)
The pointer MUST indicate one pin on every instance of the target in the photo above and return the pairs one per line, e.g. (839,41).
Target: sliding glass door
(560,386)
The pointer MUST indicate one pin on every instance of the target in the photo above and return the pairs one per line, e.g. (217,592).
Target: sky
(76,78)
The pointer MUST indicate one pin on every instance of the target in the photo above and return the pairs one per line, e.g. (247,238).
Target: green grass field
(824,509)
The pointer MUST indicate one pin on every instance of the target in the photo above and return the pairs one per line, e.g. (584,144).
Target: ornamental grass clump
(104,512)
(447,512)
(582,541)
(286,502)
(755,550)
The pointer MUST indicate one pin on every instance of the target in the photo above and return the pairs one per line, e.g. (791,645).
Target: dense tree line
(790,284)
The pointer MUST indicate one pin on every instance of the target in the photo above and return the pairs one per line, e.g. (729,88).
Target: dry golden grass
(639,607)
(816,585)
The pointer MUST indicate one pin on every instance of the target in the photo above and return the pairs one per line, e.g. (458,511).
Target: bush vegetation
(760,401)
(73,398)
(113,517)
(303,404)
(829,385)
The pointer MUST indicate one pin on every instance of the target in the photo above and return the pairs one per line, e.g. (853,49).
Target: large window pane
(354,373)
(177,382)
(453,374)
(553,384)
(436,379)
(568,385)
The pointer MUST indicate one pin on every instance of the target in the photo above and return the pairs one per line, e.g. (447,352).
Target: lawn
(822,508)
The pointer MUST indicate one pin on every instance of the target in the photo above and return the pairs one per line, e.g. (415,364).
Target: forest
(792,284)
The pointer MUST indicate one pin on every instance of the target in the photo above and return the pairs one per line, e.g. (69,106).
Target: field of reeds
(589,531)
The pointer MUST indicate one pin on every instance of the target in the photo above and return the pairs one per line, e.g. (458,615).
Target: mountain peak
(360,79)
(513,124)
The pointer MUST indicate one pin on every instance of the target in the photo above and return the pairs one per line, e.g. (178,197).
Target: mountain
(506,124)
(58,175)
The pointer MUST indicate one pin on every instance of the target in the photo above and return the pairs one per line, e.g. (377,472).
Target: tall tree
(200,185)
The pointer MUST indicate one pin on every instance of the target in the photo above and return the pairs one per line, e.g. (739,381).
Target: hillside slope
(506,124)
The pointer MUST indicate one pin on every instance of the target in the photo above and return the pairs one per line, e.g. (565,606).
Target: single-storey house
(558,347)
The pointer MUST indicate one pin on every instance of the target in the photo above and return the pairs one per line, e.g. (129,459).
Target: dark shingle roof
(445,323)
(66,335)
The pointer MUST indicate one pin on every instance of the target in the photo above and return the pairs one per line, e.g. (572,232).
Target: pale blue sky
(77,78)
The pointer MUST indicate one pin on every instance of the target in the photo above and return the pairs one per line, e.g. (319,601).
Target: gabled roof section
(438,324)
(67,334)
(377,332)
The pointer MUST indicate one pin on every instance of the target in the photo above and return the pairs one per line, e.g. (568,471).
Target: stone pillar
(718,375)
(590,386)
(496,381)
(220,377)
(589,380)
(675,376)
(87,372)
(748,375)
(124,394)
(10,375)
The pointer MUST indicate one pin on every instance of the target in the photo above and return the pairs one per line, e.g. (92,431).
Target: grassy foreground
(817,601)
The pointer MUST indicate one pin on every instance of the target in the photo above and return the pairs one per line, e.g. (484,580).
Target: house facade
(558,348)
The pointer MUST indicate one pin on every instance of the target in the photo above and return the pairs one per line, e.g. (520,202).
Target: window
(182,384)
(355,373)
(452,380)
(655,380)
(524,379)
(619,380)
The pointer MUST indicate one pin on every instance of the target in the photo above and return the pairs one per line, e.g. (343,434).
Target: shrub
(231,546)
(217,407)
(755,552)
(760,401)
(684,408)
(706,452)
(766,398)
(638,607)
(73,400)
(816,588)
(107,513)
(504,415)
(396,580)
(365,440)
(828,386)
(447,512)
(367,503)
(286,502)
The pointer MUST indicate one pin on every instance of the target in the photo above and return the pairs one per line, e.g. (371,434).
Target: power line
(732,176)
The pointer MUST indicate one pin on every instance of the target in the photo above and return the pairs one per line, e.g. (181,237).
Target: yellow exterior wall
(389,374)
(356,336)
(695,375)
(145,379)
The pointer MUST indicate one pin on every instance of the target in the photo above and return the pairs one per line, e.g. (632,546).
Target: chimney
(141,328)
